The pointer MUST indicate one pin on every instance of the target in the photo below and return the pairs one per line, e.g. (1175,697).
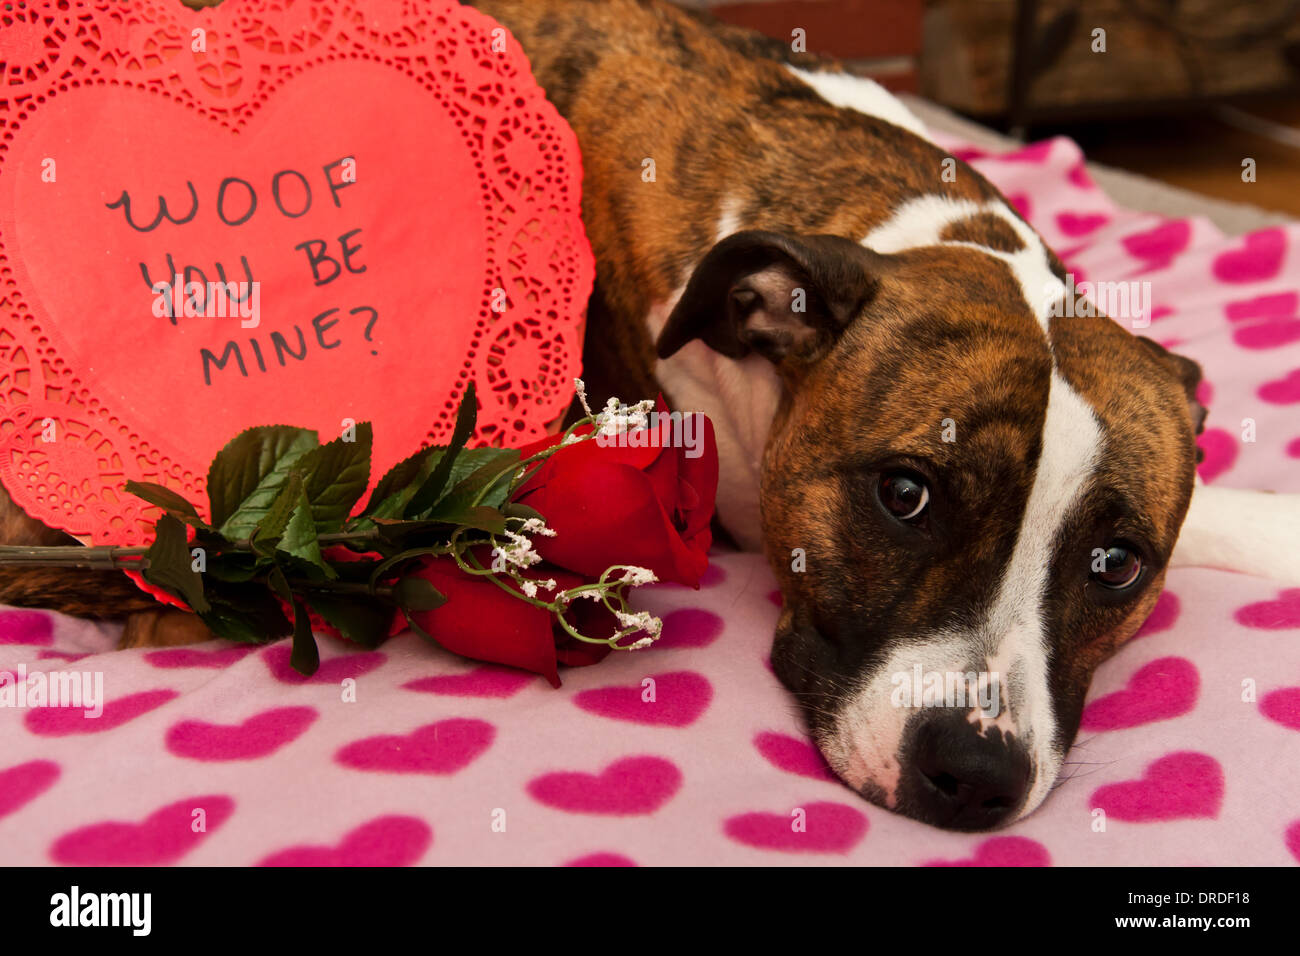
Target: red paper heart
(407,143)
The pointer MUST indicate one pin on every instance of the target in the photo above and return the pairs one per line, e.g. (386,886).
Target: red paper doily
(471,264)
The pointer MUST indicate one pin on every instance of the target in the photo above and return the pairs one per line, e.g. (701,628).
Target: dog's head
(969,503)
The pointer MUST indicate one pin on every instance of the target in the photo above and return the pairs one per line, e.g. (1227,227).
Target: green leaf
(401,482)
(481,518)
(236,567)
(462,496)
(514,509)
(248,613)
(271,528)
(356,571)
(417,594)
(247,474)
(400,531)
(171,565)
(466,418)
(305,657)
(169,501)
(300,541)
(334,476)
(437,529)
(359,619)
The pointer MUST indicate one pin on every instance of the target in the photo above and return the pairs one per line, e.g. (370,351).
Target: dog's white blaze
(863,96)
(1012,639)
(1004,722)
(1071,448)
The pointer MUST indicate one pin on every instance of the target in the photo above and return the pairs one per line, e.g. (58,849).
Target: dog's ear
(1188,374)
(782,296)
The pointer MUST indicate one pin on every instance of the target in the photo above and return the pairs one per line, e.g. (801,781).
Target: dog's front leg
(1252,532)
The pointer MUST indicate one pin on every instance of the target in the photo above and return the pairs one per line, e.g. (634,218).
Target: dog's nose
(963,779)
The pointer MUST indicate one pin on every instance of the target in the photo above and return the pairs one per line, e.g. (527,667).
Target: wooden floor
(1204,152)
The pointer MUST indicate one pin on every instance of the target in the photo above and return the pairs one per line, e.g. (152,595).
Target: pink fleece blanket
(1189,753)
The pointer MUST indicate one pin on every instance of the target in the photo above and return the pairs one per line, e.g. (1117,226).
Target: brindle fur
(723,121)
(947,335)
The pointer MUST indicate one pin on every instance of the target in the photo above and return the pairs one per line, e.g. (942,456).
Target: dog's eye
(904,495)
(1121,566)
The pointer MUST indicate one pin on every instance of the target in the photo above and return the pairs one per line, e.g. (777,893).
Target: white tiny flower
(641,620)
(528,587)
(636,577)
(616,418)
(536,526)
(609,420)
(581,389)
(520,551)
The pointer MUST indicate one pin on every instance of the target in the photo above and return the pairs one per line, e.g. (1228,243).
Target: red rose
(482,622)
(644,506)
